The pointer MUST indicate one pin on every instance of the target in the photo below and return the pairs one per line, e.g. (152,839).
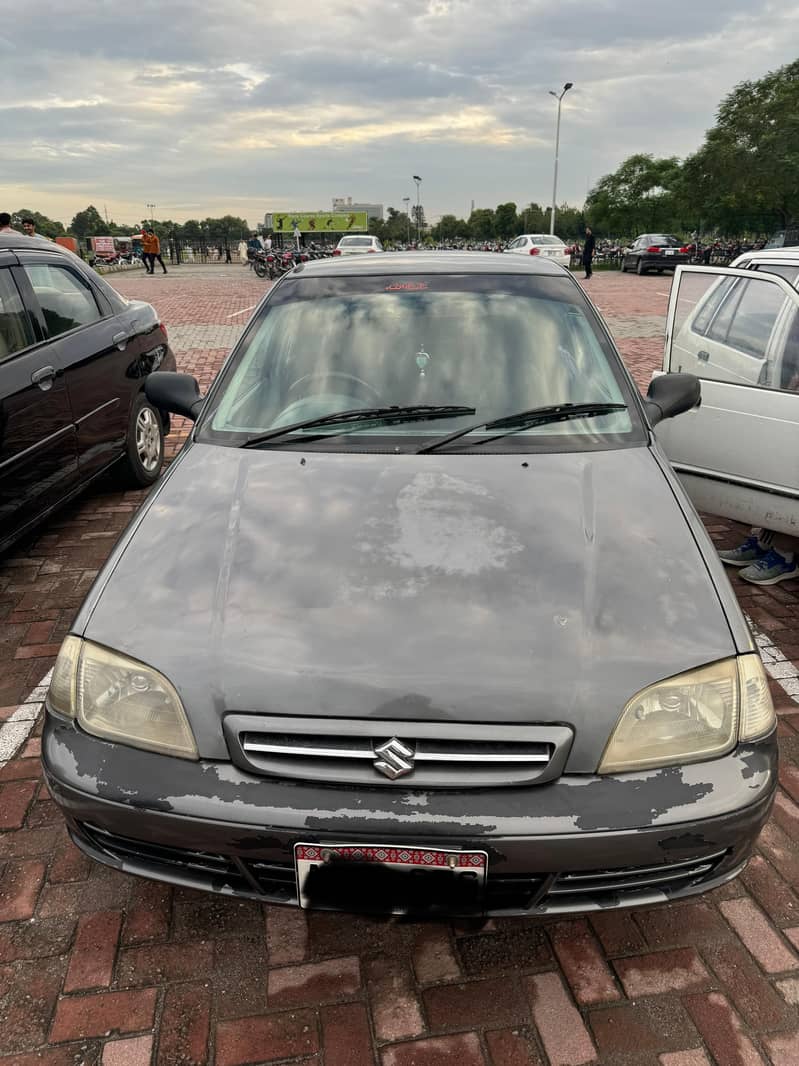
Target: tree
(417,216)
(569,221)
(45,227)
(531,219)
(746,174)
(506,223)
(88,223)
(639,195)
(446,229)
(482,223)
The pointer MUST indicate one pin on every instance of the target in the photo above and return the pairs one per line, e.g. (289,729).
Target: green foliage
(640,196)
(45,227)
(482,223)
(506,222)
(744,179)
(89,223)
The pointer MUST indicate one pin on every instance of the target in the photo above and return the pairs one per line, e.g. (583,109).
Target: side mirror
(177,393)
(671,394)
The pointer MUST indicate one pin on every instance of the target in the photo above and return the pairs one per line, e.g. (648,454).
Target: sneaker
(772,568)
(745,554)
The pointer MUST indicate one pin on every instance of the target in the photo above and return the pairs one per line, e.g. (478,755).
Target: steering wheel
(325,375)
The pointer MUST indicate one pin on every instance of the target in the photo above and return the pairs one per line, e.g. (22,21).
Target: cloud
(246,107)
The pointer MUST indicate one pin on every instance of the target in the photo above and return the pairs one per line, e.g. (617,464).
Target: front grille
(406,754)
(226,874)
(535,893)
(595,889)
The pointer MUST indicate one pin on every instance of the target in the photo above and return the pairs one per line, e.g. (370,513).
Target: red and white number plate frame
(307,856)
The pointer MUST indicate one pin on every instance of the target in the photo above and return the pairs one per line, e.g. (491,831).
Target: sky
(243,107)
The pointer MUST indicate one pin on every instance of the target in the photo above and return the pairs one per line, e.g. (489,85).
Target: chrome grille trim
(443,754)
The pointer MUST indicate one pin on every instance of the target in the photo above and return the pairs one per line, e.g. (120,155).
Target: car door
(738,453)
(38,454)
(96,348)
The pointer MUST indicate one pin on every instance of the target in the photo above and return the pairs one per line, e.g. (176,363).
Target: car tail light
(655,248)
(336,251)
(535,251)
(163,327)
(370,249)
(685,250)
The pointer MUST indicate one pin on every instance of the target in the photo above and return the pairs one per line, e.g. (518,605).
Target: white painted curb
(16,730)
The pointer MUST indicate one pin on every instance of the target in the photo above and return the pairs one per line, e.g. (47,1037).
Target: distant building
(372,210)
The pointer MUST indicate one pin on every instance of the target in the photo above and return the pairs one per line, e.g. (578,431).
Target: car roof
(428,263)
(535,236)
(769,254)
(16,240)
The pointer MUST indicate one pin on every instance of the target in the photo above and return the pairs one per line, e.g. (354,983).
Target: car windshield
(357,242)
(545,238)
(495,344)
(664,239)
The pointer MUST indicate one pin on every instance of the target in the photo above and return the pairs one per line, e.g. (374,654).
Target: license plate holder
(390,879)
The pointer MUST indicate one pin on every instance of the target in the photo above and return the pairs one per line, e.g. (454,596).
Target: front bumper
(578,844)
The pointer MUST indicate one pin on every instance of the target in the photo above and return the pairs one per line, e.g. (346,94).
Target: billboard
(318,221)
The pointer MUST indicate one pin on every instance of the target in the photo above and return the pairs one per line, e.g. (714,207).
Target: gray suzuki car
(420,619)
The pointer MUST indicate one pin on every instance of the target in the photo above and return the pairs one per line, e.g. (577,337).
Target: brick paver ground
(101,969)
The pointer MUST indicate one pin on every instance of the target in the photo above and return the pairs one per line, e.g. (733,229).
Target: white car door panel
(738,453)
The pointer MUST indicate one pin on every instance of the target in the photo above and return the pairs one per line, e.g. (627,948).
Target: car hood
(497,588)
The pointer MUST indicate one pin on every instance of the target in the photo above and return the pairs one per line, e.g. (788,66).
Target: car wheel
(144,445)
(640,267)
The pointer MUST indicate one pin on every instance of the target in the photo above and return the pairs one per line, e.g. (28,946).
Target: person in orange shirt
(152,251)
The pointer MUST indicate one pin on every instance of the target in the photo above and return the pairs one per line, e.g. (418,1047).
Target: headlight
(119,699)
(692,717)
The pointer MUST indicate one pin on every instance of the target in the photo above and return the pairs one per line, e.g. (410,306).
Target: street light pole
(407,201)
(559,98)
(418,181)
(151,210)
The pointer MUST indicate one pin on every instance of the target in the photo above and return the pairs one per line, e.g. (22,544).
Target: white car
(543,244)
(737,328)
(357,245)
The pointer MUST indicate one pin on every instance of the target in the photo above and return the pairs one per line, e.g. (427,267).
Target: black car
(419,619)
(654,251)
(74,357)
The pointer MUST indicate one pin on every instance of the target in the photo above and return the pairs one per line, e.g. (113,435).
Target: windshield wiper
(536,416)
(384,415)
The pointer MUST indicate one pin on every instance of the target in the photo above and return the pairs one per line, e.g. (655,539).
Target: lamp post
(151,211)
(407,201)
(559,98)
(418,181)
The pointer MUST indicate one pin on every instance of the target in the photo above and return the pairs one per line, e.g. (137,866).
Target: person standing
(5,223)
(588,251)
(155,252)
(146,250)
(29,227)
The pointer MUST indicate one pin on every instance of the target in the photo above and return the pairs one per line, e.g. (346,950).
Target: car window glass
(785,270)
(414,340)
(720,323)
(754,318)
(15,327)
(789,371)
(67,301)
(711,305)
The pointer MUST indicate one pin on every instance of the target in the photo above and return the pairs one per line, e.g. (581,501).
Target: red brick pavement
(100,969)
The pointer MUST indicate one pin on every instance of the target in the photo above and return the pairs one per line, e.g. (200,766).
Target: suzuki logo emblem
(395,758)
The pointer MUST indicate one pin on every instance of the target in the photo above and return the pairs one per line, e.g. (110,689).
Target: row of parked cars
(454,639)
